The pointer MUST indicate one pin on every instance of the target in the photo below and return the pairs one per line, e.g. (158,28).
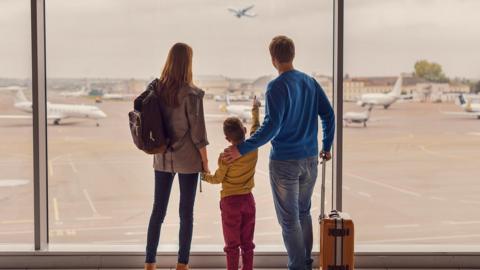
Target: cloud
(130,38)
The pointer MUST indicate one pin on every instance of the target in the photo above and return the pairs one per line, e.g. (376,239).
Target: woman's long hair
(176,73)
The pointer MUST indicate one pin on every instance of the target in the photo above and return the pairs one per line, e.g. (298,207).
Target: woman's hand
(205,167)
(203,154)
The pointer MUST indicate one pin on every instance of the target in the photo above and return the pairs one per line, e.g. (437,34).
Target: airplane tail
(227,99)
(397,88)
(20,97)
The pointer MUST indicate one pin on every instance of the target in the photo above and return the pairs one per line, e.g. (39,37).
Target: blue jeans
(163,186)
(292,184)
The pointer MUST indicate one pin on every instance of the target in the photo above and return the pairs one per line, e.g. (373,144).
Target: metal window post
(39,113)
(338,8)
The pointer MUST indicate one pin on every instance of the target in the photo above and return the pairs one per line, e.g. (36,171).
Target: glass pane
(16,166)
(411,175)
(101,187)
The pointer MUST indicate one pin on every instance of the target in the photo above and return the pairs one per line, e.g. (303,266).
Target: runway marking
(437,198)
(470,202)
(401,190)
(470,222)
(463,236)
(136,233)
(56,213)
(90,203)
(13,182)
(93,218)
(18,221)
(50,168)
(401,226)
(438,154)
(15,232)
(72,165)
(364,194)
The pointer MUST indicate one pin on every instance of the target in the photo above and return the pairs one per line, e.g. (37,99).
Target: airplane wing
(248,8)
(233,10)
(249,15)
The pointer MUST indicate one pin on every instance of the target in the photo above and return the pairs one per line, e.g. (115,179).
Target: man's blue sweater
(294,101)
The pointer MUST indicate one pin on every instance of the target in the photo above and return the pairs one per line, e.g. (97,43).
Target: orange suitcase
(336,236)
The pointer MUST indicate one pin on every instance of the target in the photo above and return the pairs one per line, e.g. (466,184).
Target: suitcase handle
(322,190)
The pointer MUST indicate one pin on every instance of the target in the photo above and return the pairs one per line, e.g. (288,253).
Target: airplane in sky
(469,108)
(56,112)
(357,117)
(239,13)
(381,99)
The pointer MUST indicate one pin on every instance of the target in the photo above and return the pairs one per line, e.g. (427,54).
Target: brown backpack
(147,124)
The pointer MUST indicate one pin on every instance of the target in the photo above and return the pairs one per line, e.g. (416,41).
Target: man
(294,101)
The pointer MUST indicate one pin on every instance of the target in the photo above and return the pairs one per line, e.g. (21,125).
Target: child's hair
(233,129)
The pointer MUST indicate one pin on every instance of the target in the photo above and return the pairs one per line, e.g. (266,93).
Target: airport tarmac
(410,177)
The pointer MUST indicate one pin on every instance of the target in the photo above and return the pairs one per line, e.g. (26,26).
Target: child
(237,203)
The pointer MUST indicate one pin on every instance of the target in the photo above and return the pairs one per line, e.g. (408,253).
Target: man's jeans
(292,184)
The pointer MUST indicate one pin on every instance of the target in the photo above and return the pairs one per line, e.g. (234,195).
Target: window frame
(47,255)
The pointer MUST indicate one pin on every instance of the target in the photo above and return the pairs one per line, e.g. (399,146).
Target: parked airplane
(244,112)
(380,99)
(239,13)
(117,96)
(357,117)
(470,109)
(56,112)
(80,93)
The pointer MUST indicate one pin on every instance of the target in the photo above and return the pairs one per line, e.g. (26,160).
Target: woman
(182,108)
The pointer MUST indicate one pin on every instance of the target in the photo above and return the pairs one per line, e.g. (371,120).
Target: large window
(16,195)
(410,145)
(102,53)
(411,176)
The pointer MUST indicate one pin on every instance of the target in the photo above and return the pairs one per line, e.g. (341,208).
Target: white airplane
(117,96)
(357,117)
(56,112)
(239,13)
(380,99)
(80,93)
(244,112)
(470,109)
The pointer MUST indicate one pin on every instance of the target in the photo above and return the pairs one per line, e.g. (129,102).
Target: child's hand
(256,103)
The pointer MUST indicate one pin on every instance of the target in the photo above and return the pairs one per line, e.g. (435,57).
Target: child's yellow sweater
(237,178)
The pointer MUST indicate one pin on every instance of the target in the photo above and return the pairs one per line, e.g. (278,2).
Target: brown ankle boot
(181,266)
(150,266)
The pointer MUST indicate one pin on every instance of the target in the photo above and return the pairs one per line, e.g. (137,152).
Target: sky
(131,38)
